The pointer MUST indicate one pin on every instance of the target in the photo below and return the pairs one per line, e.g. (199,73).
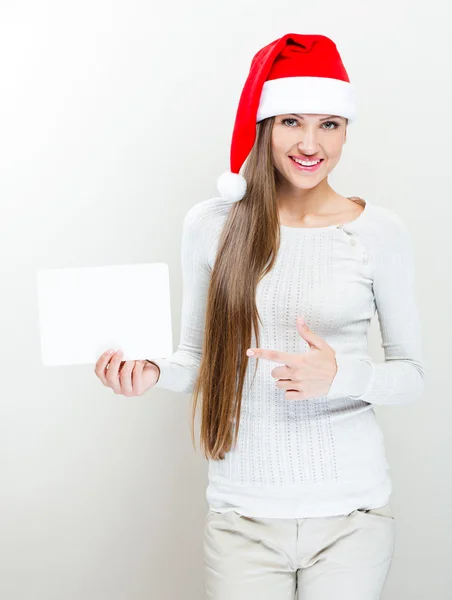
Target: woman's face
(309,137)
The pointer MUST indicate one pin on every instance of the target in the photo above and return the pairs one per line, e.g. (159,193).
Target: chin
(305,185)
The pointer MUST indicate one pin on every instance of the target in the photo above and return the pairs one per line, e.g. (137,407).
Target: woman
(299,487)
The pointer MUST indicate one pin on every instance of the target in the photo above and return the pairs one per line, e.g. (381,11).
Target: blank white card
(85,311)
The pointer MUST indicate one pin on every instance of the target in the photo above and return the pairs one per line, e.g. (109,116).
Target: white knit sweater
(324,456)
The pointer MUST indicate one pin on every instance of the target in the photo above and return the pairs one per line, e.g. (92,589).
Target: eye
(284,121)
(335,123)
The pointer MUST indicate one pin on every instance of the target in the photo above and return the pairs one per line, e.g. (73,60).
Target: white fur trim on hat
(232,186)
(318,95)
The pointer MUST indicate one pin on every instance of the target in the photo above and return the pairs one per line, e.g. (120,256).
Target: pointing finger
(285,358)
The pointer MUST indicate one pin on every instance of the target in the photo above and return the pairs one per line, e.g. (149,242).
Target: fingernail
(250,353)
(111,351)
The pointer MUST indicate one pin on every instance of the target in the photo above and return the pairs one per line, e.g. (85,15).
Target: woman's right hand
(130,377)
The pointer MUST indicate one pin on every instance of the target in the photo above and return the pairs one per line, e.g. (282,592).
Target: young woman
(298,479)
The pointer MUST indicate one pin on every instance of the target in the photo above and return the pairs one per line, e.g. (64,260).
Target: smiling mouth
(317,161)
(306,168)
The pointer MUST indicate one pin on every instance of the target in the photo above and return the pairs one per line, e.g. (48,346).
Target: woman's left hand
(303,376)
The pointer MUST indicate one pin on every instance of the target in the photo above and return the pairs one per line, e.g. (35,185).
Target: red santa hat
(297,73)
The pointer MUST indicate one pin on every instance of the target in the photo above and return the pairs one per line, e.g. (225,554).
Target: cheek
(277,154)
(280,141)
(334,151)
(337,144)
(276,146)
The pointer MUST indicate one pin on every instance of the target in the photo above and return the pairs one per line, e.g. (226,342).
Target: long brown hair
(247,250)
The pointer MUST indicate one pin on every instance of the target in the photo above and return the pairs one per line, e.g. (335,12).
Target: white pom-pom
(232,186)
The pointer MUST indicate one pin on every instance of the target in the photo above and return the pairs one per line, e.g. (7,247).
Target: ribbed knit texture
(324,456)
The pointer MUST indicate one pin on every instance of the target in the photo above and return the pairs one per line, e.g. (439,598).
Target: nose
(308,140)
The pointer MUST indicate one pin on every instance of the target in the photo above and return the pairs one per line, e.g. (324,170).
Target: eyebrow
(324,119)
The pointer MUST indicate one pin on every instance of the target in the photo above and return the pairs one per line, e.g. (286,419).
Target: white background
(116,117)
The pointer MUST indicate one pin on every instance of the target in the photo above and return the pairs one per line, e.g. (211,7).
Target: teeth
(306,163)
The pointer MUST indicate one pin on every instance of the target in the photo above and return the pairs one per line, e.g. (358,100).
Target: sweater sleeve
(178,372)
(400,378)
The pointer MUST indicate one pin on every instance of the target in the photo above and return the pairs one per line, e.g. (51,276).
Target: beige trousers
(343,557)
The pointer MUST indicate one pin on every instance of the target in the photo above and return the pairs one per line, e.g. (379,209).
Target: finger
(101,366)
(313,339)
(125,377)
(137,377)
(285,358)
(292,390)
(281,372)
(287,384)
(112,373)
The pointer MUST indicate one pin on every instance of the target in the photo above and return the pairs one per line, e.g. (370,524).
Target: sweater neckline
(363,213)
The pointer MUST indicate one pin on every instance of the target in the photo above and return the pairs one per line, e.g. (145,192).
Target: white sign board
(85,311)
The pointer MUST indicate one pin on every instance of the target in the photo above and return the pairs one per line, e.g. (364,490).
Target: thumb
(309,336)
